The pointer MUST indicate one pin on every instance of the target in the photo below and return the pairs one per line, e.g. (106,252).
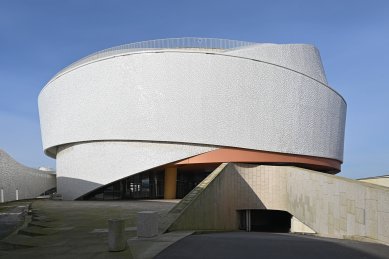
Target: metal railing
(170,43)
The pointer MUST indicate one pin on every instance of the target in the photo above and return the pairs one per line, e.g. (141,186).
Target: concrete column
(2,195)
(170,184)
(17,194)
(248,220)
(116,236)
(147,225)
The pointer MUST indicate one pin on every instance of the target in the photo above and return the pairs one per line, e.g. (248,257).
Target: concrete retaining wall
(215,208)
(24,182)
(379,180)
(330,205)
(338,207)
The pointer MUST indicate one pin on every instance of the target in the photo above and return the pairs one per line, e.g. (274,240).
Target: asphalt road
(270,245)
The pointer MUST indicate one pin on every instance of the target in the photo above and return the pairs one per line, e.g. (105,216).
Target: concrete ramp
(179,210)
(331,206)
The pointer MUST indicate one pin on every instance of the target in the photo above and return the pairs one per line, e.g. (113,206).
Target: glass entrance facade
(150,184)
(188,181)
(146,185)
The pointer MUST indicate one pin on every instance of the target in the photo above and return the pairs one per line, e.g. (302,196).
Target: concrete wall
(29,182)
(296,226)
(379,180)
(329,205)
(235,188)
(335,206)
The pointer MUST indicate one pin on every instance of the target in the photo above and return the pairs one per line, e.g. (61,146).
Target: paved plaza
(78,229)
(73,229)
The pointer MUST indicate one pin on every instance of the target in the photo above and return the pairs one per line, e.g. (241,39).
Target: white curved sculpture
(174,103)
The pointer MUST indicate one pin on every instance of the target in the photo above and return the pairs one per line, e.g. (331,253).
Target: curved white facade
(19,182)
(261,97)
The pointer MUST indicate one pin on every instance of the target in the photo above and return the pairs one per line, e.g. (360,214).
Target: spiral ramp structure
(188,104)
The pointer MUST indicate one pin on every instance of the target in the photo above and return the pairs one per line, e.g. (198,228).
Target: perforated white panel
(194,98)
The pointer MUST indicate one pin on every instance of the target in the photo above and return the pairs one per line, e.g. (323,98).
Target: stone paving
(12,216)
(78,229)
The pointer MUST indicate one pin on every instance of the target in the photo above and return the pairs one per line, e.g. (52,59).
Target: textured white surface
(194,97)
(28,182)
(122,109)
(302,58)
(83,167)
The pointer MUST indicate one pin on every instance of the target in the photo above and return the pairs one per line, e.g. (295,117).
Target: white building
(152,119)
(18,182)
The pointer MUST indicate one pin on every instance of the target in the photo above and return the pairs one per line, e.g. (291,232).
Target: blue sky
(40,37)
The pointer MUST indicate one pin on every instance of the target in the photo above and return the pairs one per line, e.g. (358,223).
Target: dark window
(150,184)
(146,185)
(265,220)
(187,181)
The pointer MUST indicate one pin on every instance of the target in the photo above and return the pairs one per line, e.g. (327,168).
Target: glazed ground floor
(171,182)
